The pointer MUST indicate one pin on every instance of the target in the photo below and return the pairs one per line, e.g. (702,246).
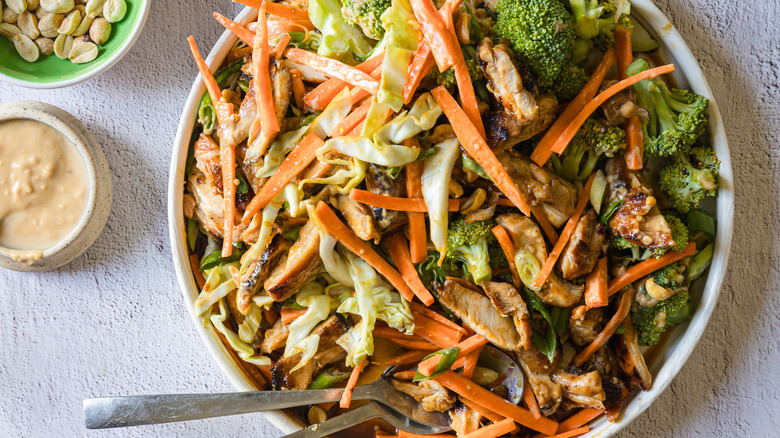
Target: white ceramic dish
(682,341)
(100,194)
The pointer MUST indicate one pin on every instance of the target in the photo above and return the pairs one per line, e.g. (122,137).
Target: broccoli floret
(679,235)
(689,177)
(593,17)
(651,322)
(475,246)
(669,276)
(620,243)
(569,82)
(677,117)
(447,78)
(539,30)
(594,139)
(366,14)
(581,51)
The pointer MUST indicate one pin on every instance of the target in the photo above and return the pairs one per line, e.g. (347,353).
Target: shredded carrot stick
(481,410)
(405,375)
(549,264)
(509,252)
(468,99)
(434,332)
(278,27)
(208,78)
(466,388)
(415,345)
(494,430)
(472,141)
(430,314)
(625,55)
(358,93)
(467,346)
(300,157)
(416,205)
(334,68)
(281,45)
(544,149)
(277,9)
(320,97)
(402,434)
(244,34)
(569,434)
(530,399)
(435,32)
(289,314)
(299,90)
(574,126)
(420,66)
(336,228)
(266,121)
(470,364)
(195,265)
(353,119)
(647,267)
(346,398)
(418,239)
(399,252)
(634,143)
(544,224)
(579,419)
(596,286)
(407,358)
(608,331)
(391,333)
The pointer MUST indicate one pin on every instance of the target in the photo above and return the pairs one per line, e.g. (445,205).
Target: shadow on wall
(738,64)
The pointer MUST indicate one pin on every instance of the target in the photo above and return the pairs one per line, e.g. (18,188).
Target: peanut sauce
(43,185)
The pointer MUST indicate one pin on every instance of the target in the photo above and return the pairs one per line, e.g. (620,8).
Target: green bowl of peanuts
(58,43)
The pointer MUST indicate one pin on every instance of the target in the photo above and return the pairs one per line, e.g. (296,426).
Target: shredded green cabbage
(402,39)
(244,350)
(339,38)
(317,303)
(437,171)
(528,267)
(219,283)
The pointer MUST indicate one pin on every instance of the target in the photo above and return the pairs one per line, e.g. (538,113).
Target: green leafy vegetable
(448,357)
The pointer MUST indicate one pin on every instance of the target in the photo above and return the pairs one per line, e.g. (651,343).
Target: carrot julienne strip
(467,346)
(419,68)
(244,34)
(530,400)
(336,228)
(415,205)
(565,234)
(300,157)
(608,331)
(466,388)
(334,68)
(320,97)
(208,78)
(358,93)
(407,358)
(596,285)
(481,410)
(399,252)
(509,252)
(299,90)
(435,332)
(579,419)
(353,119)
(346,397)
(634,143)
(544,224)
(418,239)
(391,333)
(473,142)
(277,9)
(435,32)
(289,315)
(405,375)
(415,345)
(430,314)
(266,121)
(568,434)
(281,45)
(494,430)
(470,364)
(544,149)
(647,267)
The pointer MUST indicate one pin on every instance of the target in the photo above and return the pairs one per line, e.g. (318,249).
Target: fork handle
(107,412)
(343,421)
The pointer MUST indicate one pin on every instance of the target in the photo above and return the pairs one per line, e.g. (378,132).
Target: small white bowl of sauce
(55,187)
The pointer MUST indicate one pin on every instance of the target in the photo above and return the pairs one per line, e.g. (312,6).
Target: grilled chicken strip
(585,326)
(431,394)
(359,218)
(479,314)
(537,369)
(259,270)
(630,357)
(504,131)
(281,89)
(553,194)
(206,154)
(638,219)
(299,266)
(508,302)
(378,181)
(587,244)
(510,80)
(464,420)
(583,389)
(275,337)
(328,351)
(209,205)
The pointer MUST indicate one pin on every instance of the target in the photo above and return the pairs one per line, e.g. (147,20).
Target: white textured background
(113,322)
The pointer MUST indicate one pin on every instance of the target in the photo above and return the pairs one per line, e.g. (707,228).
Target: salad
(400,183)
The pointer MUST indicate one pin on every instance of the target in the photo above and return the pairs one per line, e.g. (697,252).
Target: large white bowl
(673,354)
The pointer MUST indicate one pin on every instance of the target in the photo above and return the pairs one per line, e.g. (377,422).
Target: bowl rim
(135,33)
(656,22)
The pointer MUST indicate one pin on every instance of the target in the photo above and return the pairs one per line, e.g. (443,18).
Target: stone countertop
(113,321)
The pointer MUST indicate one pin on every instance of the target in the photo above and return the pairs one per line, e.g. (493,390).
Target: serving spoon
(397,408)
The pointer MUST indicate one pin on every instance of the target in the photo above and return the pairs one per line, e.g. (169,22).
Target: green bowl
(52,72)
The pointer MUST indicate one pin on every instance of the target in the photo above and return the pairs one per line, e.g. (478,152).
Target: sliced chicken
(586,245)
(275,337)
(537,370)
(509,79)
(299,266)
(308,74)
(622,106)
(238,317)
(247,115)
(638,219)
(359,218)
(379,181)
(508,302)
(583,389)
(585,326)
(479,314)
(206,153)
(630,357)
(259,270)
(556,196)
(250,168)
(559,292)
(464,420)
(281,89)
(504,131)
(328,351)
(431,394)
(210,205)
